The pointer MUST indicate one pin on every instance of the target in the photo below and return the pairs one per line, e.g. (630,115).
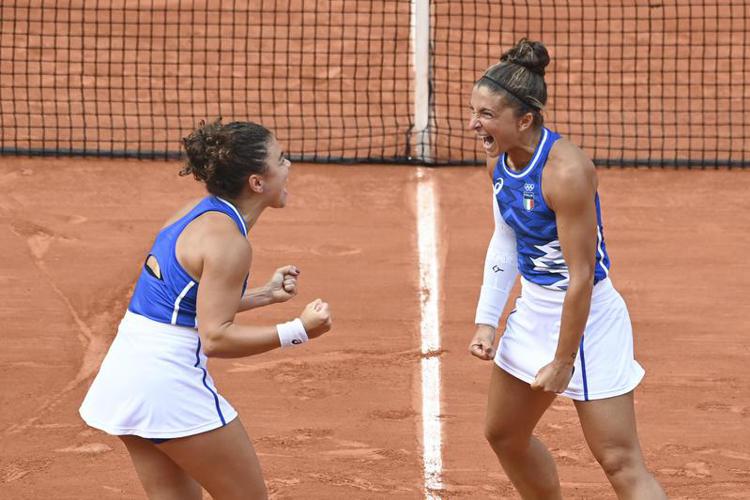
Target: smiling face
(495,122)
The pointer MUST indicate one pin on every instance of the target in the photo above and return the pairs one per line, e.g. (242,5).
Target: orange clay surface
(339,418)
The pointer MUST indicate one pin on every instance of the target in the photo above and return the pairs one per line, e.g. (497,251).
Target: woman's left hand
(553,377)
(283,283)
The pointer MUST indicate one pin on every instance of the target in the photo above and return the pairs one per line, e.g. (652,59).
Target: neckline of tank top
(534,159)
(236,212)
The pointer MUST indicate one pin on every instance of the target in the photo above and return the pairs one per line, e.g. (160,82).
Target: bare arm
(281,287)
(255,297)
(226,258)
(570,188)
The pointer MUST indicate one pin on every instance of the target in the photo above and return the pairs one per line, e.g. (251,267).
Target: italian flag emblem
(528,201)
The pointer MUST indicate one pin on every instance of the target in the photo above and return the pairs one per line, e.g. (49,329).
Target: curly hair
(225,156)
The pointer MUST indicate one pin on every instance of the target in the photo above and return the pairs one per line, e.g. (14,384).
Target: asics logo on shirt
(498,186)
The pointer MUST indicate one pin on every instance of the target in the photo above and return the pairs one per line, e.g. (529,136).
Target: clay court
(341,417)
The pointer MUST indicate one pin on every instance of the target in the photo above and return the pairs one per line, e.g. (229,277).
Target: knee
(503,439)
(620,463)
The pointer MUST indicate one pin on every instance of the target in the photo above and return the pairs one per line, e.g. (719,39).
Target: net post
(420,35)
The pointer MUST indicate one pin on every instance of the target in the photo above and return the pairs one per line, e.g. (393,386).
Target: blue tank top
(165,292)
(519,196)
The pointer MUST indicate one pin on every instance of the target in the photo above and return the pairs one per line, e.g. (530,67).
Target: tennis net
(633,82)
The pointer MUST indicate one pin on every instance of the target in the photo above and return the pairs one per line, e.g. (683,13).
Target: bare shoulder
(568,166)
(221,231)
(182,211)
(568,175)
(213,238)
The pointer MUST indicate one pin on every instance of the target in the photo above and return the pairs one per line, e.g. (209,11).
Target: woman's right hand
(482,345)
(316,318)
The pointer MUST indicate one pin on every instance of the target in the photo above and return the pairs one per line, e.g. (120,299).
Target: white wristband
(292,333)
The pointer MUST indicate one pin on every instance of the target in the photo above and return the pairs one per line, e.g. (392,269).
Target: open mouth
(487,141)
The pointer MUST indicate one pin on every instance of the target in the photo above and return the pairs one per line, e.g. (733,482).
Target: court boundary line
(429,296)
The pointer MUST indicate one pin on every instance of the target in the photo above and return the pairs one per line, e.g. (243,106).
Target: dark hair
(520,77)
(224,156)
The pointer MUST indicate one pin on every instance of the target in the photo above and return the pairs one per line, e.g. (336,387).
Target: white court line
(429,296)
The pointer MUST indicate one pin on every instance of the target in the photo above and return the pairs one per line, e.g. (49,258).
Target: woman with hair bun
(153,389)
(570,332)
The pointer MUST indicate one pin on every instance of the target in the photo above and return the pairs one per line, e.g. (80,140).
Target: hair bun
(203,148)
(531,55)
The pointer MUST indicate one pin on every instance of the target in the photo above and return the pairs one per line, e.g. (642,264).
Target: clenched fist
(316,318)
(482,345)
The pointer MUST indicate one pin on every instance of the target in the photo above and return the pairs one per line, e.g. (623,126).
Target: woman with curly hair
(153,389)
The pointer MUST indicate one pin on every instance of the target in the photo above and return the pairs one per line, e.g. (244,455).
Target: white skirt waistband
(133,322)
(602,292)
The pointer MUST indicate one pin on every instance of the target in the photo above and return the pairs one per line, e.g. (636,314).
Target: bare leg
(610,430)
(223,461)
(161,478)
(513,411)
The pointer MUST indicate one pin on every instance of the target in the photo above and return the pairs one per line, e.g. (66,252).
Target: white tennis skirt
(604,366)
(153,383)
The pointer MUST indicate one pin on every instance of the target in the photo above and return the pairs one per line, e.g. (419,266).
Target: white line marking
(429,295)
